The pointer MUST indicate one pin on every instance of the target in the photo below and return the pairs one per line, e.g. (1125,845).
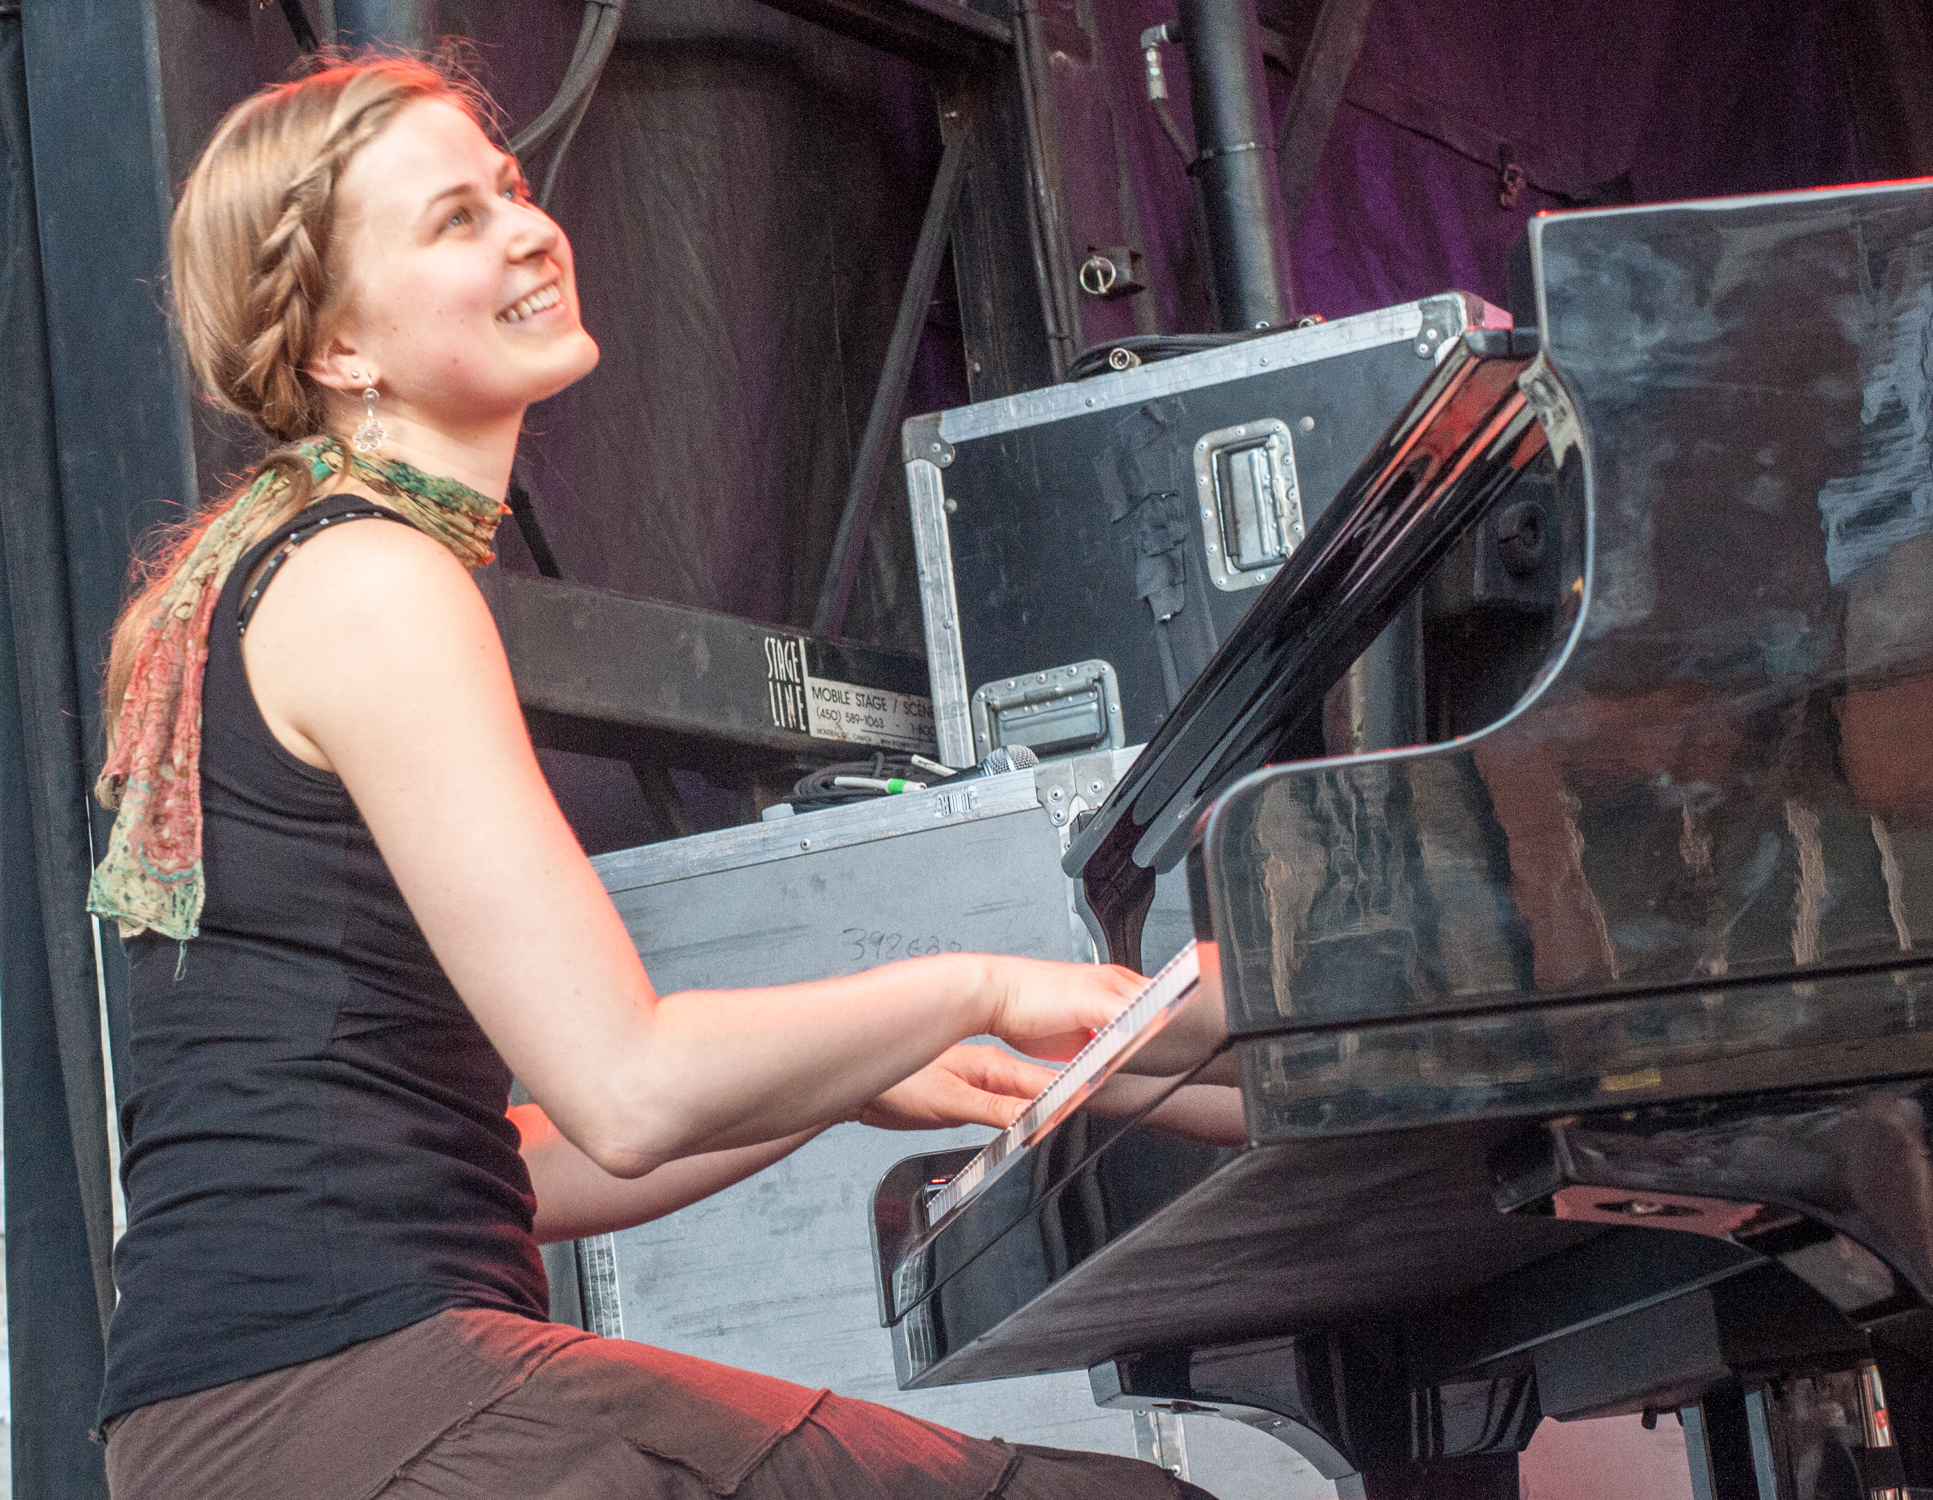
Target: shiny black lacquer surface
(1726,777)
(1155,1249)
(917,1261)
(1462,438)
(1850,1159)
(1667,921)
(1369,1190)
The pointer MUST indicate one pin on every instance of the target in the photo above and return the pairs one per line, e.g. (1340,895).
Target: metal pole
(1235,162)
(396,23)
(874,448)
(1314,100)
(121,458)
(1051,243)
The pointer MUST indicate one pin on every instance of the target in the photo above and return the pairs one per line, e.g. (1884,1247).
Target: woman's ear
(339,367)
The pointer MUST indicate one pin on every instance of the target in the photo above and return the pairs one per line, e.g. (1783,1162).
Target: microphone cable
(862,780)
(889,775)
(595,38)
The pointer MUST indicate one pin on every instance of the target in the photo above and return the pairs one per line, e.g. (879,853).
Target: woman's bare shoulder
(357,555)
(369,581)
(368,622)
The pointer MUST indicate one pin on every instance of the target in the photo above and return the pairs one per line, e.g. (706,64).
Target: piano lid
(1472,428)
(1739,389)
(1723,779)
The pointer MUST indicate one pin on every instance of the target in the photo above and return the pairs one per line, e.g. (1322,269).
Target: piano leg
(1800,1437)
(1718,1445)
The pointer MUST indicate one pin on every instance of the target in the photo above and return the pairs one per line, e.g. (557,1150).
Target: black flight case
(1084,549)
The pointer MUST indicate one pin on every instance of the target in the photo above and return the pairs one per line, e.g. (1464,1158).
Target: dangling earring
(369,436)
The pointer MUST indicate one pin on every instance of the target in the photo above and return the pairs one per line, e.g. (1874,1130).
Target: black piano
(1579,1057)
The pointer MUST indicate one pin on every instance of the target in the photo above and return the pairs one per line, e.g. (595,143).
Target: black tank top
(317,1148)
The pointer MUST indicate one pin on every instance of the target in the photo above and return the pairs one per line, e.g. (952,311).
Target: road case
(1084,549)
(776,1273)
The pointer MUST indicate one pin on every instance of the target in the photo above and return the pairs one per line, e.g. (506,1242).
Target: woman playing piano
(353,911)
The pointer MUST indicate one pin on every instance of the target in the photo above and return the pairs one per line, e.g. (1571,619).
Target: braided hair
(254,274)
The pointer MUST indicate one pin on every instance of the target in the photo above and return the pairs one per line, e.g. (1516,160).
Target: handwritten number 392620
(873,947)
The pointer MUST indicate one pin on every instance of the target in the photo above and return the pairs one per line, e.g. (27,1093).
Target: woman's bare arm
(576,1197)
(375,657)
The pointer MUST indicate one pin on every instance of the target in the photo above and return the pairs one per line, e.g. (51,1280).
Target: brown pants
(472,1405)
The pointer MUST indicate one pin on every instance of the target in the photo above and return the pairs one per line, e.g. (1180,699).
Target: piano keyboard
(1089,1068)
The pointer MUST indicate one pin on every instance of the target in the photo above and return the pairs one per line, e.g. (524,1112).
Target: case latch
(1251,504)
(1058,711)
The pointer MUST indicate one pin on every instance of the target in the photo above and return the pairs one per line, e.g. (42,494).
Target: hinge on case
(1071,787)
(920,437)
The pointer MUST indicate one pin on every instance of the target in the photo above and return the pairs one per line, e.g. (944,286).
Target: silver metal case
(776,1274)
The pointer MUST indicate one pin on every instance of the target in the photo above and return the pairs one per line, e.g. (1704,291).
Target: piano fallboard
(1382,1147)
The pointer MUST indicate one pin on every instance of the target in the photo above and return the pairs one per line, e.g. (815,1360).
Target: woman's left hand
(965,1085)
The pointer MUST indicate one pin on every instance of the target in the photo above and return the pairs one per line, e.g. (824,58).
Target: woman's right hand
(964,1085)
(1050,1010)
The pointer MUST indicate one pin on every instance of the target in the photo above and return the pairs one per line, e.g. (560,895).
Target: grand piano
(1579,1058)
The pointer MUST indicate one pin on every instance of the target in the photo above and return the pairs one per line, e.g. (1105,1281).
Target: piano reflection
(1576,1059)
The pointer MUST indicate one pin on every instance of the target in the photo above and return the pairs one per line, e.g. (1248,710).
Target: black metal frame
(988,76)
(939,33)
(877,446)
(1314,100)
(640,680)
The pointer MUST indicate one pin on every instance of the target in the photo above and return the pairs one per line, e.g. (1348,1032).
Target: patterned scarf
(151,875)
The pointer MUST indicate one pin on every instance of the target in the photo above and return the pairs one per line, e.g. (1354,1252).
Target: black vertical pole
(1051,245)
(54,1350)
(1235,161)
(394,23)
(54,1121)
(94,406)
(123,455)
(118,388)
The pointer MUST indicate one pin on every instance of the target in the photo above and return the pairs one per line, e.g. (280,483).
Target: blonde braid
(291,286)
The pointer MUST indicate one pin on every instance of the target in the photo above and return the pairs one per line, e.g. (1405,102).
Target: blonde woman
(353,911)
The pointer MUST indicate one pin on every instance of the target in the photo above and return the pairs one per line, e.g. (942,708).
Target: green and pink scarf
(151,876)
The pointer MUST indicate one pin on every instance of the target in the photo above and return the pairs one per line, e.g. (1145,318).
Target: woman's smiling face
(457,290)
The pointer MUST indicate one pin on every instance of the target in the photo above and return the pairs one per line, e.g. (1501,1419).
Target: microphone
(1006,758)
